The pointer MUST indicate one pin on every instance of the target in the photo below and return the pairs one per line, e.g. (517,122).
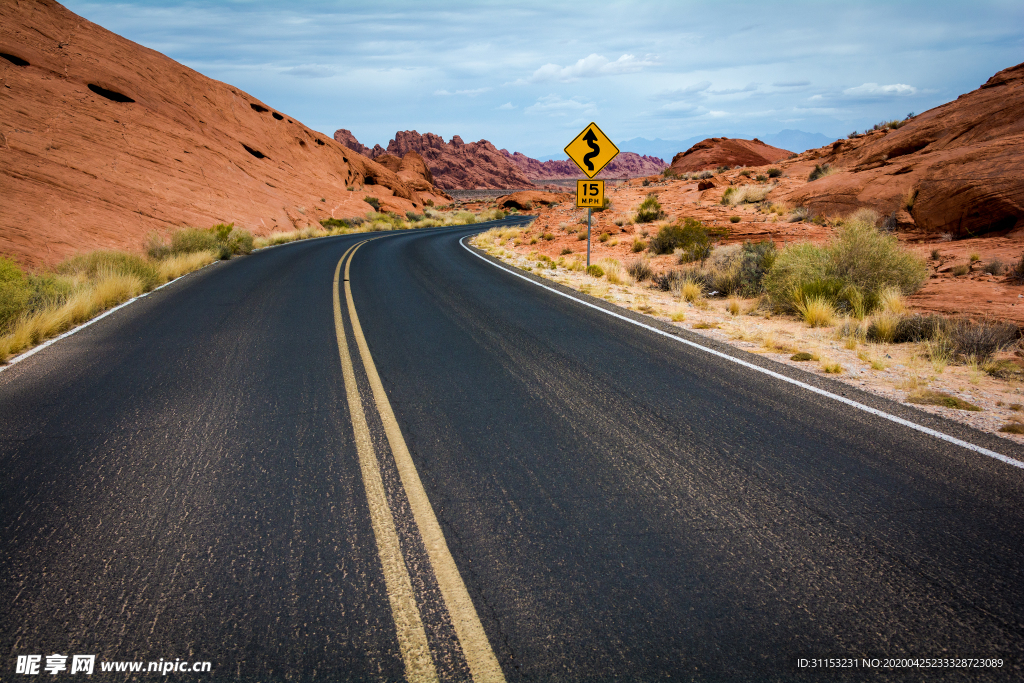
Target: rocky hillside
(625,165)
(103,141)
(956,169)
(455,165)
(715,152)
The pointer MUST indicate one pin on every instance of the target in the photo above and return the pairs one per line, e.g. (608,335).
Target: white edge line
(842,399)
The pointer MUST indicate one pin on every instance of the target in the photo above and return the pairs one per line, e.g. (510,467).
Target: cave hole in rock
(277,116)
(255,152)
(111,95)
(319,141)
(302,143)
(13,59)
(257,107)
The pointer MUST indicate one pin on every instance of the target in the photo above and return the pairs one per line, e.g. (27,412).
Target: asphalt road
(182,479)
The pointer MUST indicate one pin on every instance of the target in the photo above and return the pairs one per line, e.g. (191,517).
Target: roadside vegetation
(36,306)
(838,308)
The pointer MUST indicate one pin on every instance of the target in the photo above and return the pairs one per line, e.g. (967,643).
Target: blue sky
(529,75)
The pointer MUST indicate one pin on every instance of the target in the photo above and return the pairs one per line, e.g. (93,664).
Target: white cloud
(507,105)
(309,71)
(591,66)
(875,90)
(553,105)
(468,93)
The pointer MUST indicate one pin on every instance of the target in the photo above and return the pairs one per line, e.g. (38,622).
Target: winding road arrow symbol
(591,140)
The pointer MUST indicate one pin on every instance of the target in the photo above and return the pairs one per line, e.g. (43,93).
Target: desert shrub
(187,241)
(15,291)
(103,263)
(666,281)
(566,251)
(979,340)
(679,235)
(697,250)
(994,267)
(882,329)
(603,237)
(640,269)
(745,173)
(645,182)
(649,210)
(604,206)
(690,290)
(756,259)
(800,213)
(919,328)
(547,236)
(821,171)
(856,265)
(349,223)
(413,216)
(774,172)
(638,246)
(1016,274)
(961,269)
(721,169)
(761,178)
(745,194)
(374,202)
(734,219)
(595,270)
(703,175)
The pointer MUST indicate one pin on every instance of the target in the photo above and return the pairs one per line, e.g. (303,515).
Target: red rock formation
(103,141)
(625,165)
(455,165)
(346,138)
(958,167)
(715,152)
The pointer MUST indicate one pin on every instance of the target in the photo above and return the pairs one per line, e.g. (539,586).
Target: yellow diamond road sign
(591,150)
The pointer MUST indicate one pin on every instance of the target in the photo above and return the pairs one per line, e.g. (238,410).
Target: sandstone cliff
(715,152)
(103,141)
(955,169)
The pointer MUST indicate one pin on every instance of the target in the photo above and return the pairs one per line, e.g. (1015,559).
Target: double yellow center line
(412,637)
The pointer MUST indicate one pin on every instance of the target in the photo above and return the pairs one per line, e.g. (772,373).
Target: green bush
(774,172)
(15,291)
(649,210)
(339,223)
(675,235)
(852,269)
(595,270)
(374,202)
(820,171)
(756,259)
(224,239)
(94,263)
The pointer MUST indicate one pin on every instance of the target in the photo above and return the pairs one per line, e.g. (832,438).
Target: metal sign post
(588,236)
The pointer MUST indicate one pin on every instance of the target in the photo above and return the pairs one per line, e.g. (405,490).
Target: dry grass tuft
(940,398)
(817,311)
(173,267)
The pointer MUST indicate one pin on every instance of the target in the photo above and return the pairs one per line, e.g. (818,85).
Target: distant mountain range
(792,140)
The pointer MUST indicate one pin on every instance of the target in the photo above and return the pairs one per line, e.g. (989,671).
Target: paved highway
(376,459)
